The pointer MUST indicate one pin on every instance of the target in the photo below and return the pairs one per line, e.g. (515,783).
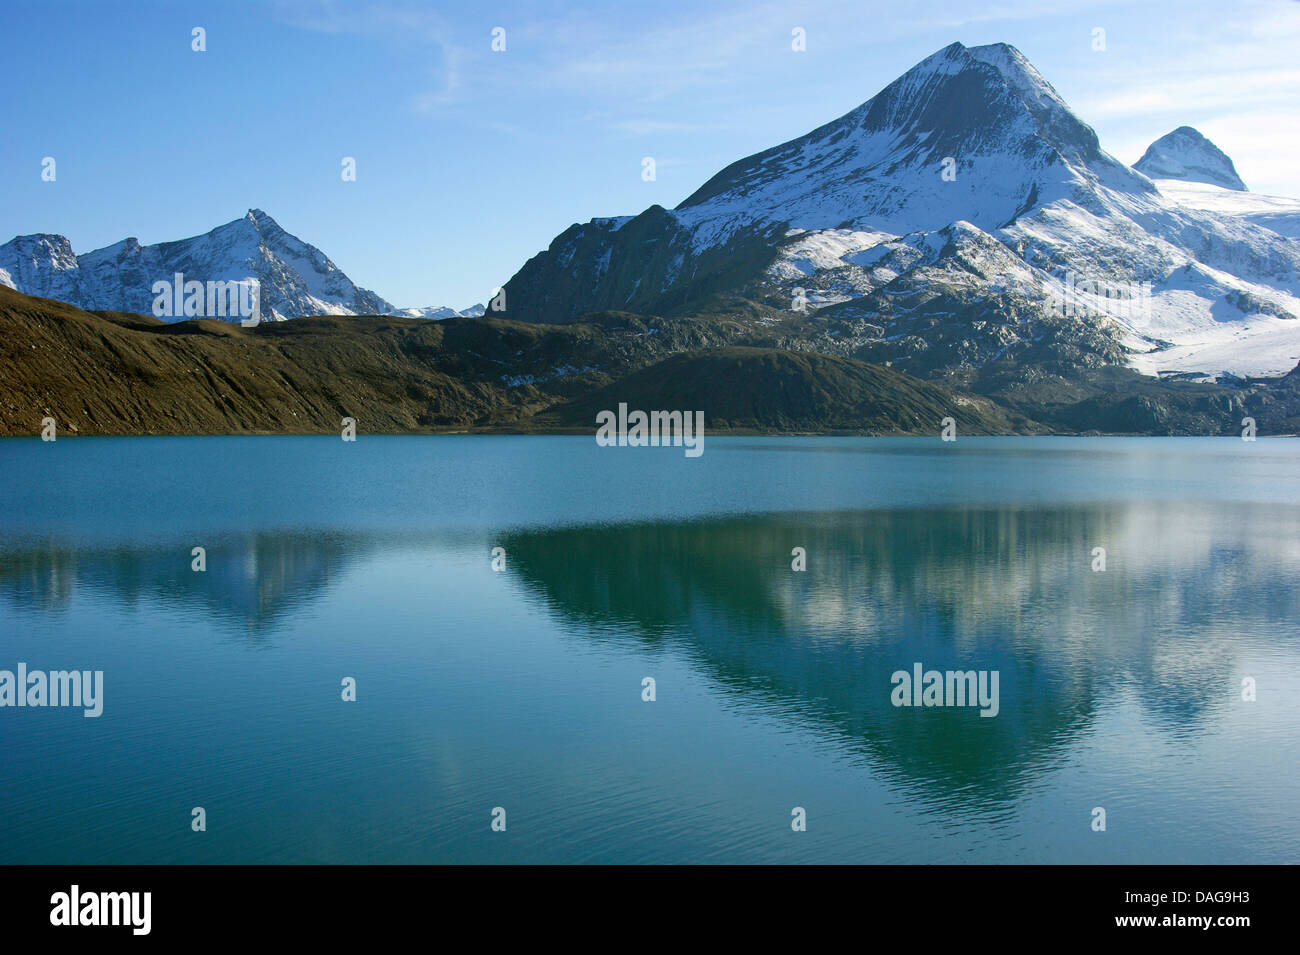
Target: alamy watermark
(1086,296)
(924,687)
(640,429)
(83,688)
(75,907)
(181,298)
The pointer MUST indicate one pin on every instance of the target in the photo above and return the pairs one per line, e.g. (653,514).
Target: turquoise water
(522,689)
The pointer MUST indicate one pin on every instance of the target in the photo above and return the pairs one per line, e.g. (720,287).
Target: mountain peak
(260,221)
(1187,155)
(295,278)
(949,222)
(43,240)
(970,133)
(54,250)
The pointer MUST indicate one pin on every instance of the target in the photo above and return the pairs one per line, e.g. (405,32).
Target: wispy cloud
(654,68)
(649,127)
(1162,93)
(399,23)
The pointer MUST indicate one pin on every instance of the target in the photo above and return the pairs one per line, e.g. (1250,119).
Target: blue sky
(469,161)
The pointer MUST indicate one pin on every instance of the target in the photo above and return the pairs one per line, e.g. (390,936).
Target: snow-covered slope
(295,278)
(1272,212)
(963,215)
(1187,155)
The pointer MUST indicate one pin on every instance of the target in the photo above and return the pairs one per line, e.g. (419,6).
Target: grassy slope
(102,373)
(765,388)
(110,373)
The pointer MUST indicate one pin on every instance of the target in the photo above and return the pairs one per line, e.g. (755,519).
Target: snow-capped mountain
(441,311)
(295,278)
(962,219)
(1187,155)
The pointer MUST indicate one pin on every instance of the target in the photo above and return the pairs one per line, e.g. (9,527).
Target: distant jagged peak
(49,244)
(1187,155)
